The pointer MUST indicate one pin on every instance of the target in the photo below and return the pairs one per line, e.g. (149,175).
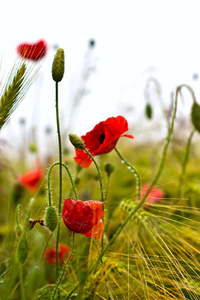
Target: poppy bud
(109,168)
(196,116)
(76,141)
(22,250)
(19,230)
(58,66)
(149,111)
(33,148)
(51,218)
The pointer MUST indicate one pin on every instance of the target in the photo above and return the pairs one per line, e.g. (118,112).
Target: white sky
(134,40)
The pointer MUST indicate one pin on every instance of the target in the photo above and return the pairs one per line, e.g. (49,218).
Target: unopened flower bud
(51,218)
(149,111)
(196,116)
(76,141)
(33,148)
(109,168)
(58,66)
(19,230)
(22,250)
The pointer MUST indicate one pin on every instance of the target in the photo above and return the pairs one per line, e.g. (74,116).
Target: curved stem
(160,168)
(186,157)
(134,171)
(158,91)
(60,175)
(70,177)
(107,187)
(99,174)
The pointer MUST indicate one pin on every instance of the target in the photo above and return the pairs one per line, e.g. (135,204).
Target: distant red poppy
(31,179)
(83,217)
(63,253)
(154,196)
(33,51)
(102,139)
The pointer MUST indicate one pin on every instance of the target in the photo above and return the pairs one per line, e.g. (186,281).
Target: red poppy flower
(154,196)
(63,253)
(31,179)
(102,139)
(33,51)
(97,231)
(83,217)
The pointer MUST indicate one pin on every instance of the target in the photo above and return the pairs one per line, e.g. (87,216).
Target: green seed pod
(196,116)
(149,111)
(22,250)
(51,218)
(109,168)
(76,141)
(33,148)
(19,230)
(58,66)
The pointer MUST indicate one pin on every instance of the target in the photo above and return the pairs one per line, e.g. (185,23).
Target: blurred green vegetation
(155,257)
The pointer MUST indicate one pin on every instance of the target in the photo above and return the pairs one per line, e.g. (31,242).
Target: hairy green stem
(134,171)
(26,223)
(99,174)
(60,176)
(185,160)
(70,177)
(62,273)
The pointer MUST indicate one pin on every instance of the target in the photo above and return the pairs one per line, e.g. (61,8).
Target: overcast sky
(134,40)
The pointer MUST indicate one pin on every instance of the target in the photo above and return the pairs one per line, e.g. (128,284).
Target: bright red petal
(82,158)
(82,217)
(77,215)
(96,207)
(104,136)
(96,231)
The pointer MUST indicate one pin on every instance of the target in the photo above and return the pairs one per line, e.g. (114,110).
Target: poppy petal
(96,231)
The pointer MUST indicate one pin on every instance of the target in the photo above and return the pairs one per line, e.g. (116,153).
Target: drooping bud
(196,116)
(51,218)
(149,111)
(76,141)
(58,66)
(109,168)
(22,250)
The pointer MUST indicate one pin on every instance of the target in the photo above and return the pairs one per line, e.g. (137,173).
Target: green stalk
(60,176)
(70,177)
(62,273)
(186,157)
(134,171)
(99,174)
(21,282)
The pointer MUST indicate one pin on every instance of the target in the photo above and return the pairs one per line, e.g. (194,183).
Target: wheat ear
(12,96)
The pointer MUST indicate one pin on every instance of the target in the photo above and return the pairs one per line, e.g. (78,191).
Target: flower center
(102,138)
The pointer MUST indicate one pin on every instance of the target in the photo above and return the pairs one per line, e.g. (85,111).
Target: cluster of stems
(140,202)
